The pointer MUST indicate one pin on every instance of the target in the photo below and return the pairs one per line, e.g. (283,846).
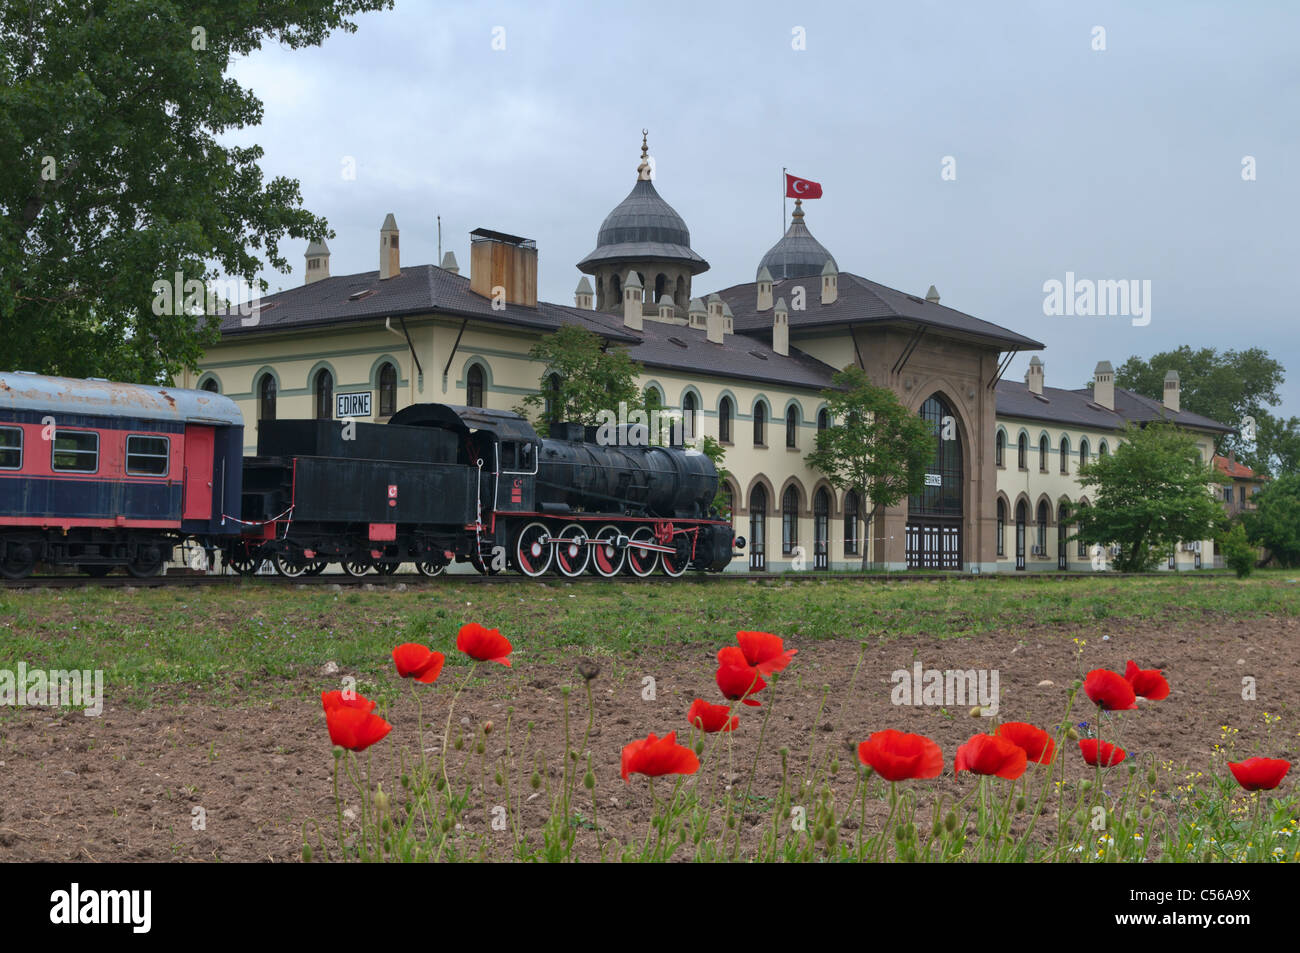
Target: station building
(745,364)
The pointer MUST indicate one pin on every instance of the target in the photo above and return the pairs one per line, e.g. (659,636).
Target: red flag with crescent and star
(797,188)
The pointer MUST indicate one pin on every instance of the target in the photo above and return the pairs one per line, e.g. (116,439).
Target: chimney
(389,256)
(764,289)
(830,282)
(697,316)
(781,329)
(714,324)
(666,309)
(715,304)
(932,295)
(632,301)
(450,264)
(318,262)
(503,266)
(1034,376)
(1173,391)
(728,320)
(1103,388)
(583,296)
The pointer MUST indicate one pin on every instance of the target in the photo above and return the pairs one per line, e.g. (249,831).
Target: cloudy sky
(1117,163)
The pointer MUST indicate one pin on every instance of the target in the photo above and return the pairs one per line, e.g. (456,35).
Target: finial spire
(643,170)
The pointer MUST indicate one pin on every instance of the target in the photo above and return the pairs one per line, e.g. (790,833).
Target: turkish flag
(797,188)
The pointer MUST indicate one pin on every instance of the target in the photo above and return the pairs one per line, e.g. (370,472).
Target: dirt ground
(125,786)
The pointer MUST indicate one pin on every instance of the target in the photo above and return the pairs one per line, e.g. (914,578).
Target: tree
(875,445)
(591,378)
(1275,521)
(1150,493)
(113,178)
(717,453)
(1227,387)
(1238,554)
(1277,445)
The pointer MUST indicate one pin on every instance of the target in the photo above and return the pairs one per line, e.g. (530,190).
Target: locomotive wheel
(677,564)
(317,567)
(641,562)
(607,559)
(532,550)
(19,562)
(427,567)
(572,552)
(387,569)
(289,567)
(355,567)
(148,562)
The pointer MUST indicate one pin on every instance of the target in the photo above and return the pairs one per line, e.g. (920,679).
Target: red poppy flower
(337,699)
(711,717)
(1109,691)
(1109,756)
(1259,774)
(417,662)
(483,645)
(764,651)
(896,756)
(1038,744)
(736,678)
(655,757)
(1147,682)
(355,728)
(990,754)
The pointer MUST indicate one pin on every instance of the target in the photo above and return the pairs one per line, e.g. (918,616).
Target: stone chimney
(450,264)
(697,316)
(1034,376)
(932,295)
(318,262)
(389,258)
(728,319)
(781,328)
(714,324)
(632,302)
(764,289)
(830,282)
(1173,391)
(1103,388)
(715,304)
(666,309)
(583,296)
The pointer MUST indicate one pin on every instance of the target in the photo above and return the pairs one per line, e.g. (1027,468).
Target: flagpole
(783,191)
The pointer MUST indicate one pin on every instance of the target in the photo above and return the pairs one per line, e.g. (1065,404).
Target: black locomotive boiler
(441,483)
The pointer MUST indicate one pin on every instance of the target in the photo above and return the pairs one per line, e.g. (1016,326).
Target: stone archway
(935,517)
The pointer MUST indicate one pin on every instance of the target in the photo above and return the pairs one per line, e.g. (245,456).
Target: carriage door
(1062,520)
(821,529)
(757,529)
(198,472)
(1020,534)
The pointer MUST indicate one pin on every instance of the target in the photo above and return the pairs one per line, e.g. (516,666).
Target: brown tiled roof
(1236,469)
(680,348)
(1076,408)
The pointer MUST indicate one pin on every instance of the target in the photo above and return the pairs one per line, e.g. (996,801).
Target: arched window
(1103,450)
(387,390)
(679,297)
(266,398)
(789,520)
(1043,513)
(552,409)
(791,427)
(1001,445)
(1083,451)
(1083,547)
(851,507)
(760,425)
(1022,452)
(690,409)
(724,420)
(823,420)
(1065,455)
(324,395)
(474,386)
(616,289)
(661,282)
(758,528)
(821,529)
(1021,516)
(1002,528)
(1042,454)
(210,385)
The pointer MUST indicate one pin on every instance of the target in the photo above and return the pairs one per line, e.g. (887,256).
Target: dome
(797,254)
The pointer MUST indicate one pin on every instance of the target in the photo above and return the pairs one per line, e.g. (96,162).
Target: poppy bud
(564,691)
(900,833)
(1076,684)
(589,780)
(950,822)
(306,852)
(830,837)
(536,780)
(1071,733)
(487,727)
(478,748)
(835,766)
(818,833)
(406,780)
(338,752)
(1020,803)
(976,712)
(699,746)
(438,782)
(500,780)
(1086,785)
(588,669)
(1146,813)
(459,743)
(381,802)
(1151,777)
(385,825)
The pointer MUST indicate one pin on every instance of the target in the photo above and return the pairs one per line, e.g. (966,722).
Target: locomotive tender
(99,475)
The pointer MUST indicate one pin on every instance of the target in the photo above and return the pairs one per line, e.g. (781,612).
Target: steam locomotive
(436,484)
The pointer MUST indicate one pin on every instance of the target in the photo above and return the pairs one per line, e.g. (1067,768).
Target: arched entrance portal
(934,516)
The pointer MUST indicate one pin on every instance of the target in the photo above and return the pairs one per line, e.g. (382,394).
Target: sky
(987,149)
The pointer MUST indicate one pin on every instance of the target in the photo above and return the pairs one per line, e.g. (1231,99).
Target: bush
(1238,553)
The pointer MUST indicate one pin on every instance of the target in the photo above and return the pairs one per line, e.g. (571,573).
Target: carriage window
(508,456)
(76,451)
(146,456)
(11,448)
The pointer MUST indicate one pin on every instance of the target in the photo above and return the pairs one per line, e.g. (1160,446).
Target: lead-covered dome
(797,254)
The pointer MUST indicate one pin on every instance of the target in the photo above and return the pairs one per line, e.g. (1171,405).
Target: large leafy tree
(581,378)
(1150,493)
(112,177)
(875,445)
(1275,521)
(1226,386)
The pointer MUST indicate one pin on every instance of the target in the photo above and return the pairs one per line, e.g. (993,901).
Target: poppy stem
(338,807)
(753,769)
(446,731)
